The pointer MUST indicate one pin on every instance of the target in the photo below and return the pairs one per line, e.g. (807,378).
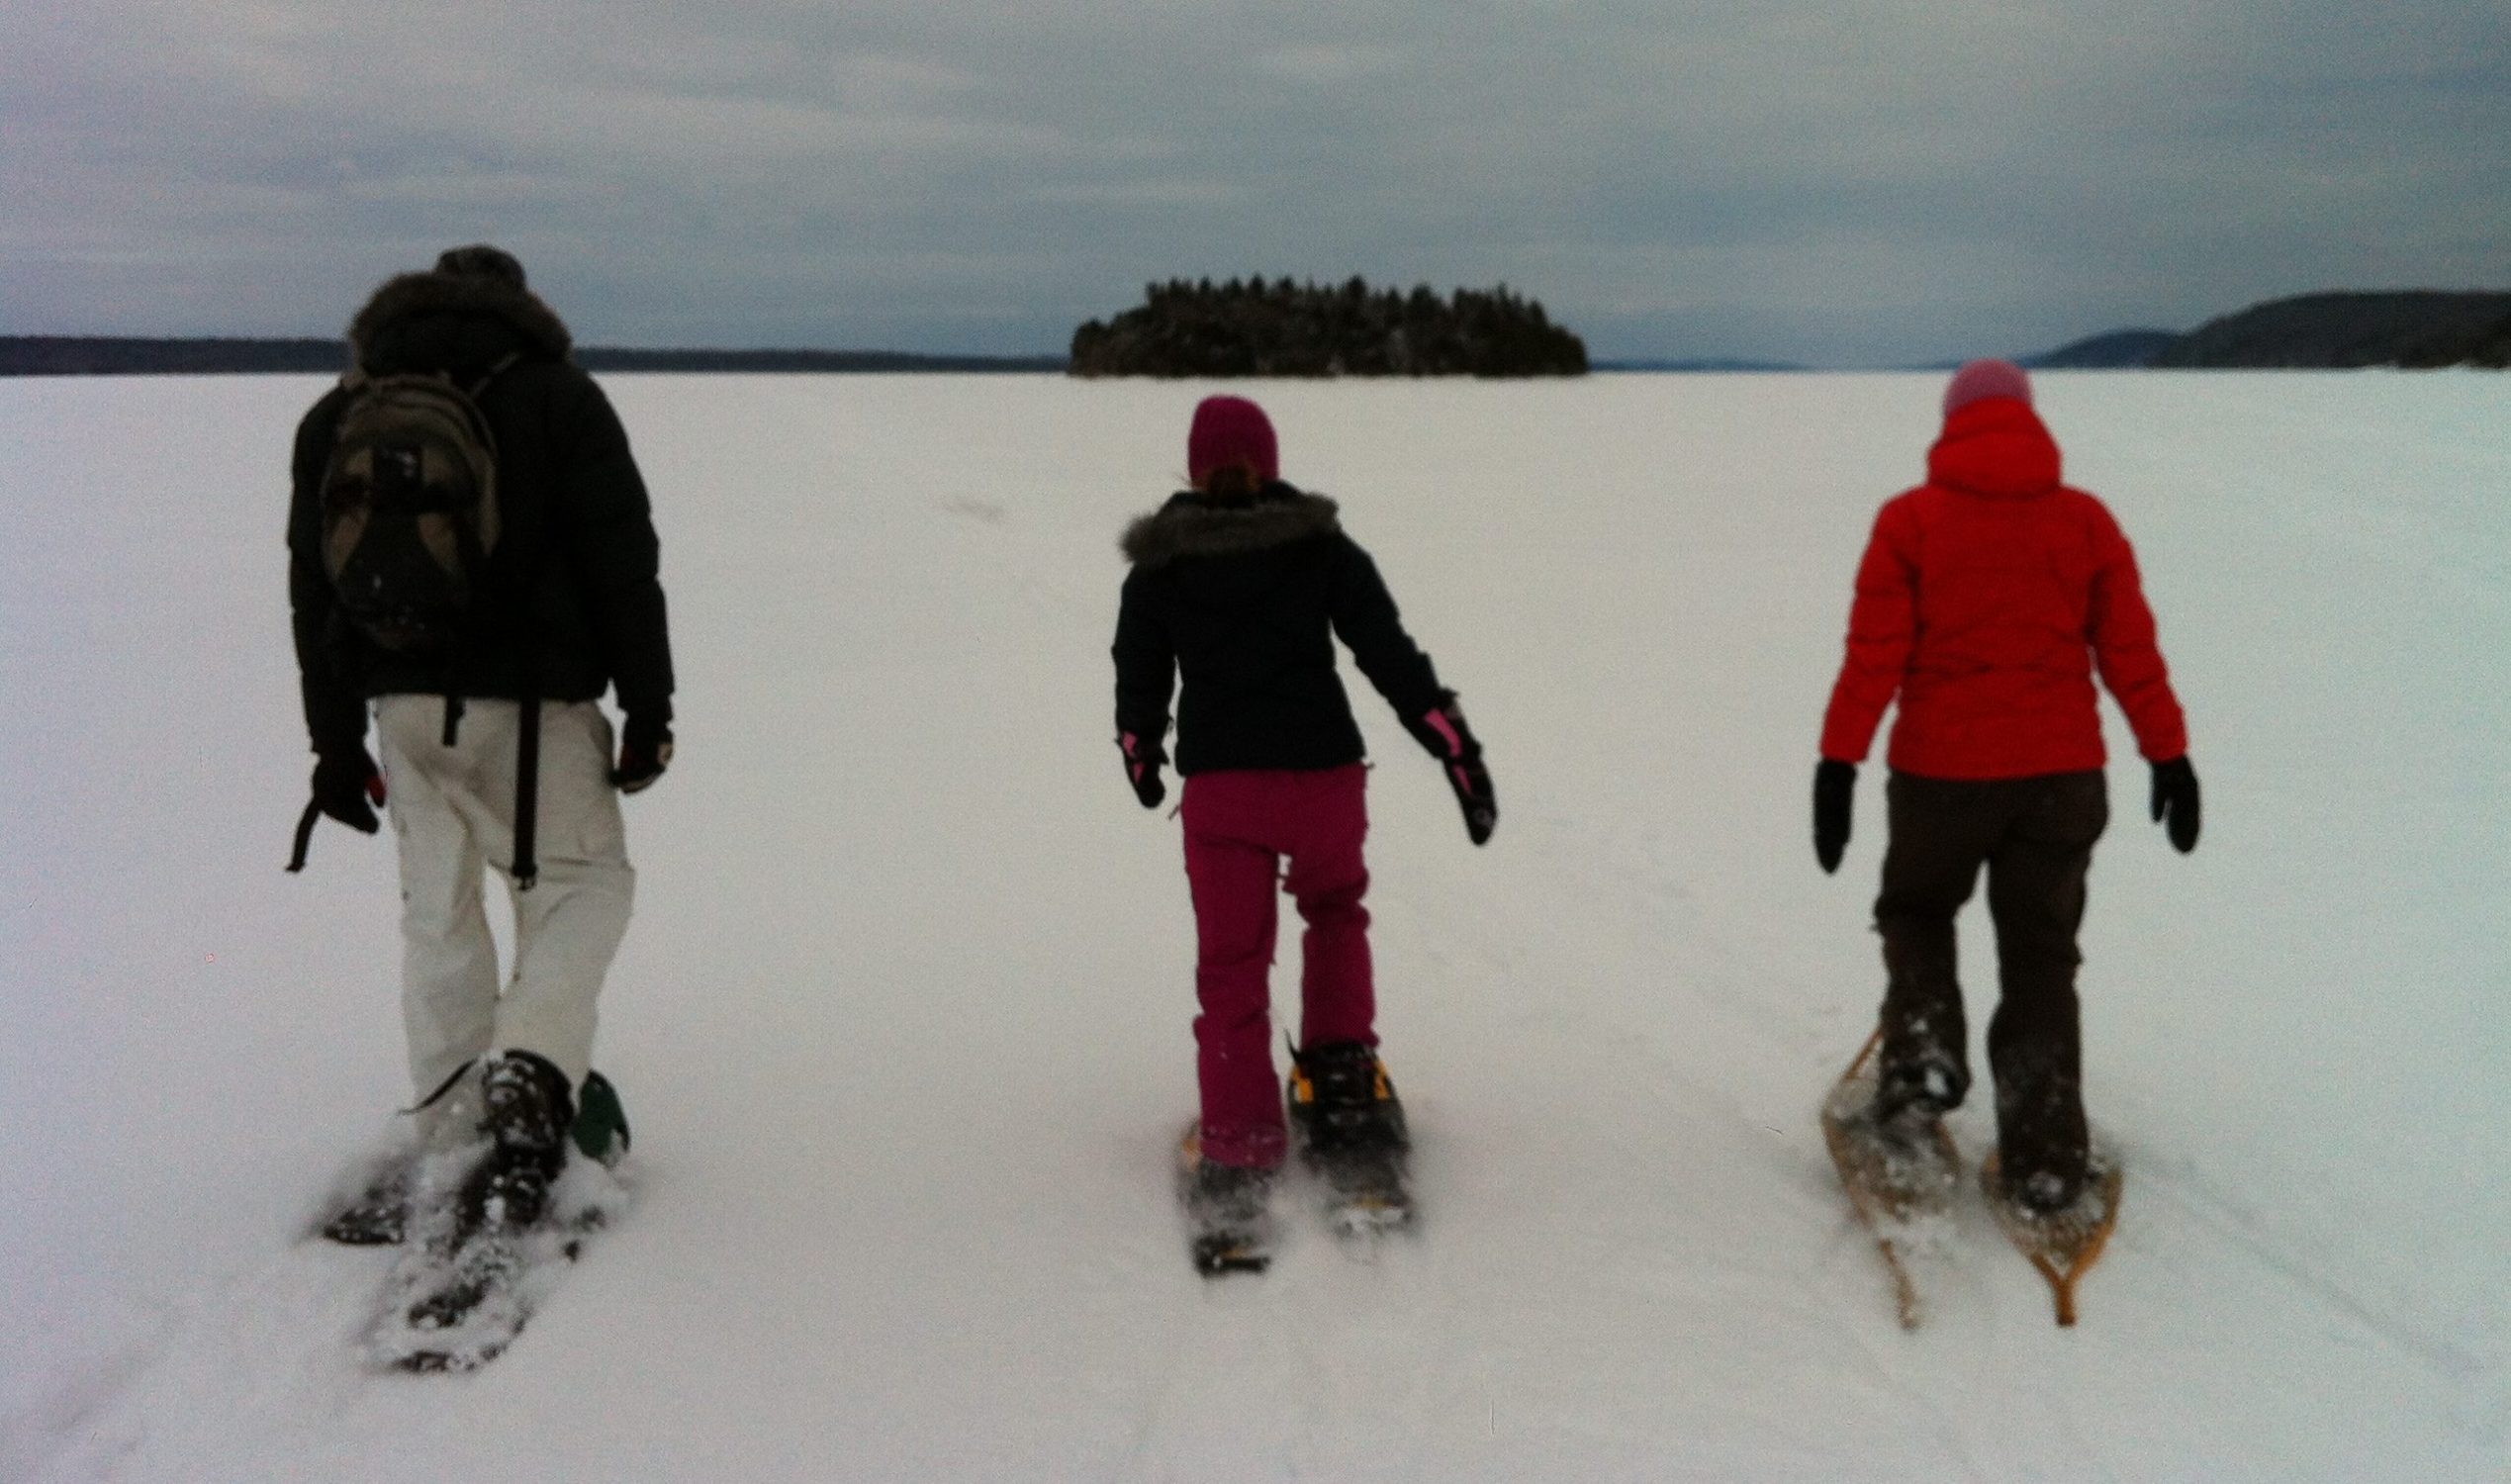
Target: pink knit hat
(1231,431)
(1981,380)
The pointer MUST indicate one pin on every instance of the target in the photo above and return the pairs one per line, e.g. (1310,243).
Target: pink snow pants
(1239,826)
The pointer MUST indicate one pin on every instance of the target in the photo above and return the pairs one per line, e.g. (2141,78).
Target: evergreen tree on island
(1252,327)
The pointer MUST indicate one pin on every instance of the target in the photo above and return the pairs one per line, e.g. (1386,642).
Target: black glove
(1442,731)
(645,750)
(1143,758)
(1834,796)
(2175,802)
(346,786)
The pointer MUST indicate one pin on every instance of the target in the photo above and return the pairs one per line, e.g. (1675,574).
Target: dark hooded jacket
(573,603)
(1244,600)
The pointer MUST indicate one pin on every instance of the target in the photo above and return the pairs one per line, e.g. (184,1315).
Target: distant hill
(2118,351)
(98,355)
(1252,327)
(2410,330)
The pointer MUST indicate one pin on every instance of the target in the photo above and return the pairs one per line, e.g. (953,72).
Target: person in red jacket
(1987,599)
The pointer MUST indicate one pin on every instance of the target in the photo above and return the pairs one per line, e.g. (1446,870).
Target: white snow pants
(453,814)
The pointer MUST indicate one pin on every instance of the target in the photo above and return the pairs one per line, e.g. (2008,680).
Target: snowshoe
(474,1257)
(2062,1238)
(457,1308)
(1228,1209)
(379,1215)
(1899,1168)
(494,1221)
(1349,1128)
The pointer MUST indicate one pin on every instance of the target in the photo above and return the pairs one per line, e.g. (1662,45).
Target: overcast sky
(1847,182)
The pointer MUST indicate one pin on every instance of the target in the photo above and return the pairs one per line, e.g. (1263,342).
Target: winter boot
(2043,1146)
(1341,1103)
(1228,1197)
(2045,1190)
(526,1114)
(1228,1210)
(1920,1088)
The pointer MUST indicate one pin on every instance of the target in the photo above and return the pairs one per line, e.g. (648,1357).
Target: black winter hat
(480,260)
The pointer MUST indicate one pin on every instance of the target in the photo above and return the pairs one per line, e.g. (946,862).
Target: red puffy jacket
(1985,598)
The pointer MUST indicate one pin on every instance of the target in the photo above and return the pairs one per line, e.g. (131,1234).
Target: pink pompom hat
(1981,380)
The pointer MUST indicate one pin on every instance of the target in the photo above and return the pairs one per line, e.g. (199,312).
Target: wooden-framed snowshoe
(2062,1244)
(1900,1174)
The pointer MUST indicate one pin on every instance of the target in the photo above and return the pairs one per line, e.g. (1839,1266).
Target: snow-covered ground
(902,1021)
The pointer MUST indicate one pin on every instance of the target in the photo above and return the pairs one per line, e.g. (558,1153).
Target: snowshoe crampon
(2061,1243)
(1900,1174)
(1228,1210)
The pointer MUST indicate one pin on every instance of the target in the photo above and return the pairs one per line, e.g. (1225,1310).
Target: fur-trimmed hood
(443,320)
(1191,525)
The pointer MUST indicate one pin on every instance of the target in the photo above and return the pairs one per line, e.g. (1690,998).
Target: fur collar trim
(1191,525)
(418,296)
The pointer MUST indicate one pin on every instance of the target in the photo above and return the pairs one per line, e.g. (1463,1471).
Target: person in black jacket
(1239,586)
(571,606)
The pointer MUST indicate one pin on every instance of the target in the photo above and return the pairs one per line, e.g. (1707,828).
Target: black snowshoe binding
(1349,1128)
(1228,1209)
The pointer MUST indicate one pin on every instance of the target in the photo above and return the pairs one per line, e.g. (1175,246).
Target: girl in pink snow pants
(1238,589)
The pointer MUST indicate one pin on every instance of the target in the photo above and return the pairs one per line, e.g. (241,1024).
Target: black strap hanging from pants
(527,794)
(527,870)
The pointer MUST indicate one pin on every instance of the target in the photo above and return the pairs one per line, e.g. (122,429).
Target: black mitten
(1143,759)
(1835,793)
(645,750)
(2175,802)
(347,785)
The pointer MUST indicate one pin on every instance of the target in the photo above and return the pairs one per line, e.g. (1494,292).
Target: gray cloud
(1861,181)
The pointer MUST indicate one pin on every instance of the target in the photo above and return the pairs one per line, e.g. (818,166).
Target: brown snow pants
(2035,836)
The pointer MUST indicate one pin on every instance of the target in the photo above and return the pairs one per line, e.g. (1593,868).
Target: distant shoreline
(134,355)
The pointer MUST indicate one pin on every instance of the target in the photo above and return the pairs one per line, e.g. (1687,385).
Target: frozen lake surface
(902,1022)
